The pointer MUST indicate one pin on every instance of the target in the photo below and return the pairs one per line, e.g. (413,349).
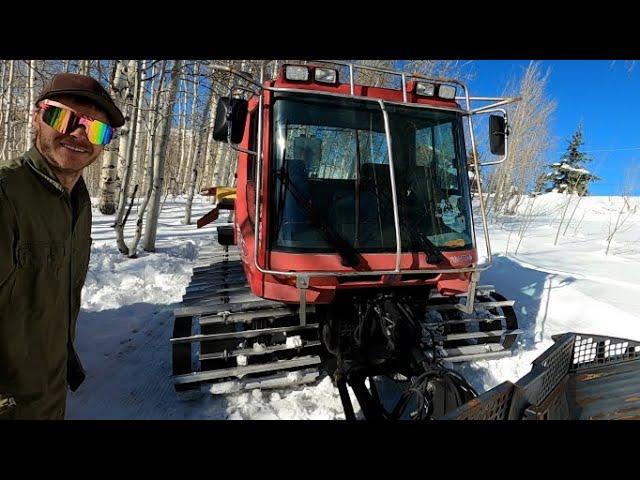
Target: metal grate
(556,367)
(492,405)
(593,350)
(551,391)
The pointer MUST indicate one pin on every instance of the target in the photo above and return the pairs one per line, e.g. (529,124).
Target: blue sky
(604,95)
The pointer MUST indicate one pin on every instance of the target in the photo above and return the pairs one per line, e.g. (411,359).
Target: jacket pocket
(40,256)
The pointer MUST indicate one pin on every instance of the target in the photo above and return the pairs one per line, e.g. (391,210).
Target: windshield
(330,170)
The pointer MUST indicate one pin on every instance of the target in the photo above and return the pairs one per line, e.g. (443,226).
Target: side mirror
(231,115)
(497,133)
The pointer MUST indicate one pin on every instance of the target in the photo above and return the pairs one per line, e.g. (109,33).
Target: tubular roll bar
(467,111)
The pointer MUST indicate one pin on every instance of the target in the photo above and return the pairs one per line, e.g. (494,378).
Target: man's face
(67,153)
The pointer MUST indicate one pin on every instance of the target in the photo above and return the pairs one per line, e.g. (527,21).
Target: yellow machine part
(220,193)
(225,192)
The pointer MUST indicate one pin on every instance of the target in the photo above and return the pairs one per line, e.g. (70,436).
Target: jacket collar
(42,168)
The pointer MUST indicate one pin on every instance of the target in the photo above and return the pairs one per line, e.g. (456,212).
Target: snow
(317,402)
(241,360)
(126,318)
(294,342)
(573,286)
(569,168)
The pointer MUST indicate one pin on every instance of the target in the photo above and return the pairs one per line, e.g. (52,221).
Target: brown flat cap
(86,87)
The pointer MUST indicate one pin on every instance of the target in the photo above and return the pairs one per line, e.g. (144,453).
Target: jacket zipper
(68,202)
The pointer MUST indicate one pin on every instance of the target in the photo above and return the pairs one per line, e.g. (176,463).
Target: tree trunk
(192,138)
(154,120)
(30,106)
(183,139)
(109,179)
(128,157)
(572,214)
(219,175)
(129,103)
(160,156)
(2,84)
(218,157)
(231,171)
(196,161)
(564,212)
(208,158)
(228,168)
(84,67)
(141,155)
(5,152)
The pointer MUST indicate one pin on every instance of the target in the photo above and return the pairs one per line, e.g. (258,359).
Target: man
(45,241)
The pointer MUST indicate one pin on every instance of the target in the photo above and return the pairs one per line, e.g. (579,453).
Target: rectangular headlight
(447,91)
(298,73)
(326,75)
(425,89)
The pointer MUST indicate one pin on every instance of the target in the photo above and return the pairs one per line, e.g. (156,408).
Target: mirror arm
(242,150)
(493,106)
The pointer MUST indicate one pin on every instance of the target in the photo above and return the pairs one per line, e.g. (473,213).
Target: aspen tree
(156,181)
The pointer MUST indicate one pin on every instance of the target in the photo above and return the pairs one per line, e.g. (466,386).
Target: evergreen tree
(569,174)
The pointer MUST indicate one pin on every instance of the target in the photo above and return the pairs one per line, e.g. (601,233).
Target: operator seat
(296,225)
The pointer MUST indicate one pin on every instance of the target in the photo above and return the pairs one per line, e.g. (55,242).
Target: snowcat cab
(355,248)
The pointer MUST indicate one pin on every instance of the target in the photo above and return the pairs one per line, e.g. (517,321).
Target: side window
(253,144)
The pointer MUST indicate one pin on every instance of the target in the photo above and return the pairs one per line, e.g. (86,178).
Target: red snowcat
(352,251)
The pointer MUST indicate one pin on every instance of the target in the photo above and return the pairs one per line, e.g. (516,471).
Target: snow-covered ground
(126,317)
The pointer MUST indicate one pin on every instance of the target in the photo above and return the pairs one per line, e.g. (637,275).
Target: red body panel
(323,289)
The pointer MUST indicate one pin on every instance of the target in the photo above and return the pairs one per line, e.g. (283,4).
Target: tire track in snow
(135,381)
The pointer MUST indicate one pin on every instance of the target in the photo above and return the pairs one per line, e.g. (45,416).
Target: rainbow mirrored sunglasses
(66,121)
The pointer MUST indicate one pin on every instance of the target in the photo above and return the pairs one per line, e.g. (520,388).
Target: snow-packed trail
(126,317)
(130,380)
(125,325)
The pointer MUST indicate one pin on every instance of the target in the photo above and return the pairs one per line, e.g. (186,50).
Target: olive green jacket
(45,242)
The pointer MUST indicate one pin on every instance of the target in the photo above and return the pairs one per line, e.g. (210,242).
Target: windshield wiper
(349,255)
(434,255)
(417,237)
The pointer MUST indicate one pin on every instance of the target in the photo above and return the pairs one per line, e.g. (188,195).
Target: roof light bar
(296,73)
(326,75)
(447,91)
(425,89)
